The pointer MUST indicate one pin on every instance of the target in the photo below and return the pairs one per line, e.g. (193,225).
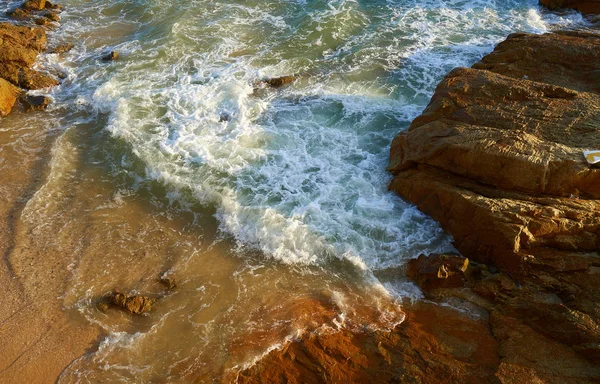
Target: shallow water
(275,222)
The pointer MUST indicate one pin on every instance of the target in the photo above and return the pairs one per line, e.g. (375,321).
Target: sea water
(269,205)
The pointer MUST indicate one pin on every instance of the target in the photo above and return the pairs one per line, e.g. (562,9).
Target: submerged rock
(278,82)
(168,282)
(36,103)
(8,97)
(62,48)
(134,304)
(111,56)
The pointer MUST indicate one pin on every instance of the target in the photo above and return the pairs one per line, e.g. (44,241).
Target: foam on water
(298,173)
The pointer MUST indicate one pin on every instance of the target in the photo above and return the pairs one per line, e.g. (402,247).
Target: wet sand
(75,227)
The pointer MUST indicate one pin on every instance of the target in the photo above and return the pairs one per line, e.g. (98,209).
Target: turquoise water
(298,173)
(295,175)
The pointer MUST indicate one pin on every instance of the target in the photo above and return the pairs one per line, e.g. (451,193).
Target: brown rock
(433,345)
(8,97)
(62,48)
(34,5)
(134,304)
(497,159)
(438,271)
(168,282)
(19,14)
(584,6)
(278,82)
(55,7)
(111,56)
(102,306)
(36,103)
(52,16)
(30,79)
(19,49)
(42,21)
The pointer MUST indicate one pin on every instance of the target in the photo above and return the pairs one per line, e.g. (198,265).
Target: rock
(30,79)
(55,7)
(224,117)
(111,56)
(102,306)
(36,103)
(42,21)
(33,5)
(168,282)
(438,271)
(19,49)
(433,345)
(134,304)
(18,14)
(62,48)
(583,6)
(497,159)
(51,16)
(278,82)
(8,97)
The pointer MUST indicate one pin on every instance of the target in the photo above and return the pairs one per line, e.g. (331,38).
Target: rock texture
(20,46)
(584,6)
(497,159)
(439,271)
(134,304)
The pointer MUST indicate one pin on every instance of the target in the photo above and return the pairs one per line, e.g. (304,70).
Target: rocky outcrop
(19,48)
(497,159)
(583,6)
(433,345)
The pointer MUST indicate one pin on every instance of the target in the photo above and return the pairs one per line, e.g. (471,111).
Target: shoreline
(43,339)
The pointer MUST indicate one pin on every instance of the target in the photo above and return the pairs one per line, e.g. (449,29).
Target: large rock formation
(497,159)
(19,48)
(583,6)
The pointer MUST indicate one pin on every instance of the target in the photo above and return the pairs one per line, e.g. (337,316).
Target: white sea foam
(298,173)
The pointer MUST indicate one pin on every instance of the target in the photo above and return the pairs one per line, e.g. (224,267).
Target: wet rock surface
(111,56)
(438,271)
(135,304)
(36,103)
(584,6)
(20,46)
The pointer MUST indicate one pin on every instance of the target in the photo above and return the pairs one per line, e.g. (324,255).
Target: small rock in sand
(168,282)
(134,304)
